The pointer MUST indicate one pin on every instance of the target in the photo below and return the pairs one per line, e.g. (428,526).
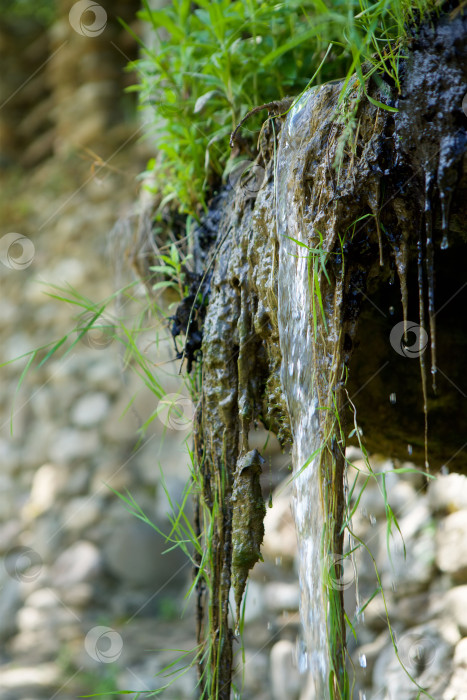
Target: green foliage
(172,268)
(43,11)
(214,60)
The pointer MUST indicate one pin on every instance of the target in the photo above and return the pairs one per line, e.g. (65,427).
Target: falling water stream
(296,338)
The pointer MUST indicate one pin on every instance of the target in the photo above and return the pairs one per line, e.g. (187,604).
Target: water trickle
(392,398)
(444,243)
(302,660)
(317,315)
(421,306)
(401,257)
(362,660)
(295,328)
(429,180)
(445,196)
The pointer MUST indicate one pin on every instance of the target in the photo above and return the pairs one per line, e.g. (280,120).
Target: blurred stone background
(88,603)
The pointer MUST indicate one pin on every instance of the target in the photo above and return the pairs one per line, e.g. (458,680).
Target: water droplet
(362,660)
(359,615)
(444,469)
(445,243)
(372,519)
(392,310)
(278,561)
(302,657)
(409,449)
(268,626)
(392,398)
(393,585)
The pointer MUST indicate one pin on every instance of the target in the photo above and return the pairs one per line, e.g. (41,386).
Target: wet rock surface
(385,266)
(426,174)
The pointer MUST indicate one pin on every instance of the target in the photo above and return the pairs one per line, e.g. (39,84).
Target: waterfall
(296,341)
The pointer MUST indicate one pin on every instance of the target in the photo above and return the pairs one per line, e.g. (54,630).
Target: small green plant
(213,60)
(172,268)
(317,258)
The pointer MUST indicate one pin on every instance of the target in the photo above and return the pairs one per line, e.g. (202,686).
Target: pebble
(280,539)
(44,676)
(82,561)
(46,485)
(448,493)
(71,444)
(81,513)
(451,546)
(133,553)
(90,410)
(281,596)
(285,676)
(456,604)
(10,603)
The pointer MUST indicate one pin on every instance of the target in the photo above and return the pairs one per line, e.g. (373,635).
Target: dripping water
(429,178)
(421,306)
(445,200)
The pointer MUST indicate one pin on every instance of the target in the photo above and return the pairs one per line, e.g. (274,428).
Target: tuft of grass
(213,60)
